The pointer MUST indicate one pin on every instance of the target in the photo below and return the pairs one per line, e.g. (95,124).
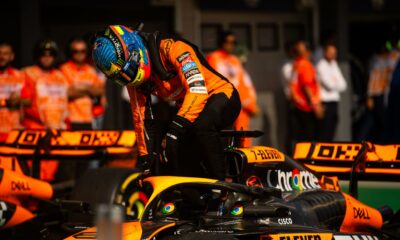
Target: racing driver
(173,69)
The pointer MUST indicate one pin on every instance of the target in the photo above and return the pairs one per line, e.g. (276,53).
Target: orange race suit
(80,109)
(47,91)
(305,103)
(207,103)
(230,66)
(306,77)
(11,82)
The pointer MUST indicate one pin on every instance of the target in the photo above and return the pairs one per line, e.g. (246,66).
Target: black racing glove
(176,131)
(145,163)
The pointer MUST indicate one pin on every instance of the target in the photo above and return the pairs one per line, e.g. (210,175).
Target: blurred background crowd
(306,69)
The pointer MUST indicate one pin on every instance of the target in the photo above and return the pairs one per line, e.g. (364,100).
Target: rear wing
(338,158)
(60,144)
(38,145)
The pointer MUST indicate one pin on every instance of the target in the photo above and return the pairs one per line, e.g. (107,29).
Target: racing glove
(176,131)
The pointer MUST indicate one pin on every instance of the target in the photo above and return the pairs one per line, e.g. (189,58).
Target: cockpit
(195,202)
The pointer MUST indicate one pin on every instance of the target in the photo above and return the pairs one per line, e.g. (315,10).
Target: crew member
(305,95)
(84,85)
(174,70)
(226,63)
(46,87)
(11,82)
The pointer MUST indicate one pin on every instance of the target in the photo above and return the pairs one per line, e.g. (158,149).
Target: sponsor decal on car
(345,151)
(168,208)
(254,181)
(237,210)
(355,237)
(342,152)
(294,180)
(264,221)
(285,221)
(77,138)
(361,213)
(261,154)
(265,154)
(298,236)
(20,186)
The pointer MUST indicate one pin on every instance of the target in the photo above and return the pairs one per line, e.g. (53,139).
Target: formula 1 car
(273,197)
(183,208)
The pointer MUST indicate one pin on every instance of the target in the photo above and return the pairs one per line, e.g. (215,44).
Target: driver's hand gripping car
(174,70)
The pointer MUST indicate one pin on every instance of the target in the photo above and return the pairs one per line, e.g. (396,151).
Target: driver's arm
(191,73)
(138,105)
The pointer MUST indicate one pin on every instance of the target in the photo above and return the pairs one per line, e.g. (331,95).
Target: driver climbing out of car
(173,69)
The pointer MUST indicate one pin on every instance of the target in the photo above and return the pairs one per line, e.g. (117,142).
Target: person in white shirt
(332,83)
(287,71)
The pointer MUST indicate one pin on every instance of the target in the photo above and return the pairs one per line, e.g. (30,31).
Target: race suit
(11,82)
(306,121)
(80,109)
(230,67)
(206,101)
(47,91)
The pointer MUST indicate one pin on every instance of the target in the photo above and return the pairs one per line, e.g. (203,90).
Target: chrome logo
(295,180)
(168,208)
(237,210)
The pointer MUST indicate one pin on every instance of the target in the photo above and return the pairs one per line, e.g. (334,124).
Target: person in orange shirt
(305,95)
(230,66)
(84,85)
(207,101)
(11,82)
(46,87)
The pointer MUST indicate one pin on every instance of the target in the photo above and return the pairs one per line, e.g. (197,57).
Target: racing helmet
(122,56)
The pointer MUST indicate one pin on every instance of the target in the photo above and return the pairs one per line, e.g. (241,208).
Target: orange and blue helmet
(122,56)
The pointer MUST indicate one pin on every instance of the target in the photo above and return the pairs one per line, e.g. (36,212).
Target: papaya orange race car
(273,197)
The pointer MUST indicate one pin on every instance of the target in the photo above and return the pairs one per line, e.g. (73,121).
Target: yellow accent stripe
(119,30)
(129,180)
